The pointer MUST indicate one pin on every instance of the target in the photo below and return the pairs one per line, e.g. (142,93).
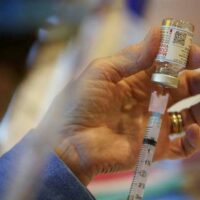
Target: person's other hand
(105,110)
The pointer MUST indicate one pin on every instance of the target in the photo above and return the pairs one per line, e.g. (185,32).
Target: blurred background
(43,44)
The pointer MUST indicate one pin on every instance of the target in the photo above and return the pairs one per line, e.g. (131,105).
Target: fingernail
(193,134)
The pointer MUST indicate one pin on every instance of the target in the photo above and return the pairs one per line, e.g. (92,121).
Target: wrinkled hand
(104,112)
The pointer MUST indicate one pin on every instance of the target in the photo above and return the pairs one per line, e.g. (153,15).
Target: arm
(57,182)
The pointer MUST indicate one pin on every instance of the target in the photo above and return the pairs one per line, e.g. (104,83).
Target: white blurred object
(184,104)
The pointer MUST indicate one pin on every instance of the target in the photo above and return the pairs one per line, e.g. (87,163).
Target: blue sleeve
(57,181)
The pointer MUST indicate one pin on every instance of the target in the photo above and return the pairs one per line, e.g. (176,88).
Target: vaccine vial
(176,41)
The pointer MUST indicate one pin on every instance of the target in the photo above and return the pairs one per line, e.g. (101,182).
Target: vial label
(175,46)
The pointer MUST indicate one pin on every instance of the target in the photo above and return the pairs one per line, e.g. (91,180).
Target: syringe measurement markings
(145,159)
(141,175)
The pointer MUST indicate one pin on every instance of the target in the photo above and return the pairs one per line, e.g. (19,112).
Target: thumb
(137,57)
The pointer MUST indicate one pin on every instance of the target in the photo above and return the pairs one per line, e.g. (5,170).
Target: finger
(189,85)
(187,145)
(193,79)
(194,57)
(189,81)
(194,88)
(137,57)
(128,61)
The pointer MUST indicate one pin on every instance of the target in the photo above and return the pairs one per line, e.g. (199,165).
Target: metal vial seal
(176,41)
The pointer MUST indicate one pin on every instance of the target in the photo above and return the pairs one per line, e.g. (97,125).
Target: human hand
(102,114)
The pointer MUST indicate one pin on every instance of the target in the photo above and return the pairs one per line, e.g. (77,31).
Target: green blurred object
(151,192)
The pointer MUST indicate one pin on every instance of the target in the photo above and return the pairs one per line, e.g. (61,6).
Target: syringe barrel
(145,157)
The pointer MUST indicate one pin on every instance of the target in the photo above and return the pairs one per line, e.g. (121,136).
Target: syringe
(157,107)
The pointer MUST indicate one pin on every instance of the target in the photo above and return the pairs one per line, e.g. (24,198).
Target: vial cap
(165,80)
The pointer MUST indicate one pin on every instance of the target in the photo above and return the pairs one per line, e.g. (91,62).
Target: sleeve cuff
(59,183)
